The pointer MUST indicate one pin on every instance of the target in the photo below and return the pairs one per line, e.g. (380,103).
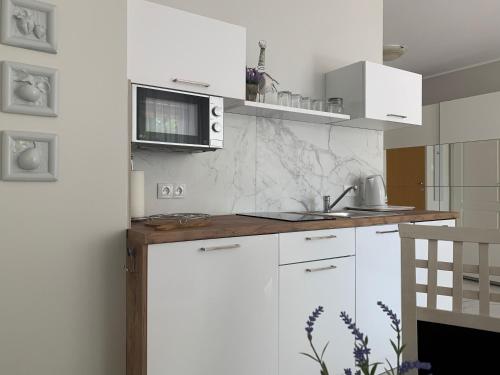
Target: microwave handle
(194,83)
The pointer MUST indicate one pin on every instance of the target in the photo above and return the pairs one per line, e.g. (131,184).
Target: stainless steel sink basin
(350,214)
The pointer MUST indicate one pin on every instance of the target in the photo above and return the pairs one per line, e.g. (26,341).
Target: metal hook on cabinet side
(131,260)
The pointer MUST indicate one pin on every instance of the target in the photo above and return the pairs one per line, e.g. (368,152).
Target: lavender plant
(361,350)
(401,368)
(253,76)
(309,329)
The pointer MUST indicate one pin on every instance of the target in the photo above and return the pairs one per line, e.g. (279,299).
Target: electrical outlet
(179,190)
(352,193)
(165,191)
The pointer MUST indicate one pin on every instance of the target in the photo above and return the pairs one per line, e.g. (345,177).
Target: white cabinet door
(378,278)
(331,285)
(204,55)
(213,311)
(380,96)
(393,94)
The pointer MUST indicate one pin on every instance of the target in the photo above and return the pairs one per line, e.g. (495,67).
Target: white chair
(411,313)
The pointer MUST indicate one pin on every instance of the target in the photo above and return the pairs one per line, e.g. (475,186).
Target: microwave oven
(175,119)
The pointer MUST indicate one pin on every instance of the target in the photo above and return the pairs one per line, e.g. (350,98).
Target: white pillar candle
(137,194)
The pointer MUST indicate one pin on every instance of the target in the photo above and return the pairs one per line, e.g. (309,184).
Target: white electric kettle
(375,193)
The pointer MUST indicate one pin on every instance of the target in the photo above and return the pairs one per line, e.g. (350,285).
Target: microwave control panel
(216,122)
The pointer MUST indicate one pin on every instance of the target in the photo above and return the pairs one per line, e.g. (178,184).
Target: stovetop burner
(182,217)
(286,216)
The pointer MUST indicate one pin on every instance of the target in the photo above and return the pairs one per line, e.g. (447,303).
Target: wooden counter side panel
(137,309)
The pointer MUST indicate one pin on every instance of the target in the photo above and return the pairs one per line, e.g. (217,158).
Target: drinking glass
(335,105)
(318,105)
(296,99)
(271,97)
(305,102)
(285,98)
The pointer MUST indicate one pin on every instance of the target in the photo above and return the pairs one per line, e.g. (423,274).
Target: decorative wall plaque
(29,24)
(29,89)
(29,156)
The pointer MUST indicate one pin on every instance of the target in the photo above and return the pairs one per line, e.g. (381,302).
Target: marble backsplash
(266,165)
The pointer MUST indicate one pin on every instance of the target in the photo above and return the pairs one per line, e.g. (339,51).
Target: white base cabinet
(240,305)
(303,287)
(378,278)
(213,311)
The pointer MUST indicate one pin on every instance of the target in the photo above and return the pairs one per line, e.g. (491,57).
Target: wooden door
(406,177)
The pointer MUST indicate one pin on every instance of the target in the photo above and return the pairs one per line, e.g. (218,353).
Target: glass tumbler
(296,99)
(271,97)
(318,105)
(305,102)
(335,105)
(285,98)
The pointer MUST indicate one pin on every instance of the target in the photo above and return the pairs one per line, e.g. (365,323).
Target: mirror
(458,176)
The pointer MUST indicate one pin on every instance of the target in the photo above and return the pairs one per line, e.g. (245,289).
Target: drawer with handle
(313,245)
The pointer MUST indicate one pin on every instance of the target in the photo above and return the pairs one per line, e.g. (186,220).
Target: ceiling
(443,35)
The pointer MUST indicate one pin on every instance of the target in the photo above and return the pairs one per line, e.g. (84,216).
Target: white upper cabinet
(168,47)
(377,96)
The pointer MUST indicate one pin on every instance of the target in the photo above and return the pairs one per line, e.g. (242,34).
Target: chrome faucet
(327,207)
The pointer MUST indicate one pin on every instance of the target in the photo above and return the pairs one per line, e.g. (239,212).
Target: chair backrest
(409,286)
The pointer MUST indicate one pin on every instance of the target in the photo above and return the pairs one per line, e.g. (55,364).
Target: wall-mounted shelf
(249,108)
(245,107)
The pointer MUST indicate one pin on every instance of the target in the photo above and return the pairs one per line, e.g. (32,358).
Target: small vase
(251,91)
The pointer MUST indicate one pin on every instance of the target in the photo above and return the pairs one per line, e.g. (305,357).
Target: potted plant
(253,77)
(361,349)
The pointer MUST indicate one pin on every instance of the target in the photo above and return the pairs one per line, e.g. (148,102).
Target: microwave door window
(172,117)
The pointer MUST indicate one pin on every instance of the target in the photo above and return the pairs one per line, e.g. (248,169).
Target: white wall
(62,286)
(305,39)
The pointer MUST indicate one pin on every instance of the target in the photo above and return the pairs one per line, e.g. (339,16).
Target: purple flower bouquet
(361,349)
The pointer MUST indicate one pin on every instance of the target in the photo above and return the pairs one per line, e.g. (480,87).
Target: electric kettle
(375,193)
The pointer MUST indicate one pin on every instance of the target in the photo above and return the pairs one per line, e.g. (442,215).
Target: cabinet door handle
(321,238)
(332,267)
(214,248)
(387,231)
(188,82)
(396,115)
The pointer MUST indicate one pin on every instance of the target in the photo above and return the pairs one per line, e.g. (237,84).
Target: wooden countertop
(236,226)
